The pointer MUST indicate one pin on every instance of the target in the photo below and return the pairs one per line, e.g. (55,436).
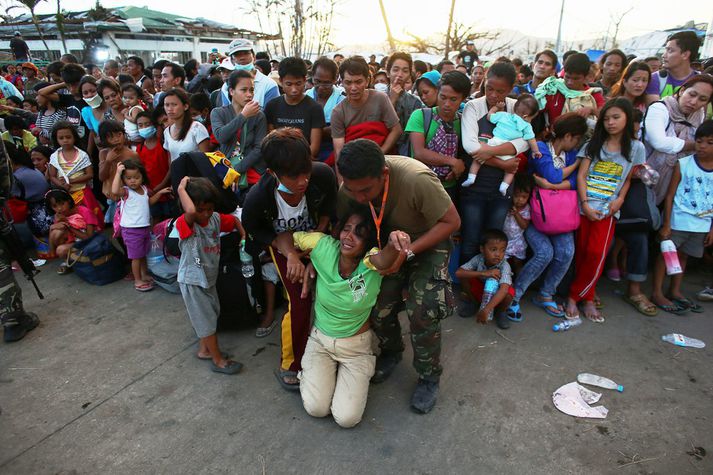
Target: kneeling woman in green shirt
(338,361)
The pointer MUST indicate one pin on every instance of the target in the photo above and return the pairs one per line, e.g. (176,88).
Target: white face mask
(381,87)
(94,101)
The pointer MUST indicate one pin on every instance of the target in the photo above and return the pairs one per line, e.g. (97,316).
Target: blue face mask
(147,132)
(244,67)
(284,189)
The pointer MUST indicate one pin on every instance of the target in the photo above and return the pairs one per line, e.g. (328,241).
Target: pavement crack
(97,406)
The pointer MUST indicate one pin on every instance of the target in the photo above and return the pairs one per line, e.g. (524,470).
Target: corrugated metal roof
(114,20)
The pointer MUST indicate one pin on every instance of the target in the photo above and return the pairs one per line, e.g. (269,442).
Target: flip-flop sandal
(642,305)
(63,269)
(144,287)
(550,307)
(280,375)
(688,304)
(262,332)
(513,313)
(206,358)
(232,367)
(593,317)
(674,309)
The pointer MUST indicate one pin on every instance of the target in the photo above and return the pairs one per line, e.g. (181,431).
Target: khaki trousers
(335,376)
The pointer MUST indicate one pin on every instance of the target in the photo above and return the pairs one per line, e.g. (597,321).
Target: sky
(359,21)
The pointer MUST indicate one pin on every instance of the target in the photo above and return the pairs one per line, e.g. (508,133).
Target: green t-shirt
(415,124)
(341,305)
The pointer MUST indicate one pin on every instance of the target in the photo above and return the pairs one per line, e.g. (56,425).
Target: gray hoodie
(226,123)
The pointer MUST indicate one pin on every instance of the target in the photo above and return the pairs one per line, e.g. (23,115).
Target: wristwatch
(410,255)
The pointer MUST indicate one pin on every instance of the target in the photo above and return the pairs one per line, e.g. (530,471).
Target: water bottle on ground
(670,257)
(246,262)
(566,325)
(600,381)
(489,289)
(155,255)
(682,340)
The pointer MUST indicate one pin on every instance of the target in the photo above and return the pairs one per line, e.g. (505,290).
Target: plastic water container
(683,340)
(155,254)
(246,262)
(566,325)
(600,381)
(489,289)
(670,257)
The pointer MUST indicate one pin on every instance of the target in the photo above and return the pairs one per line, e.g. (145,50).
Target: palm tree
(31,5)
(390,38)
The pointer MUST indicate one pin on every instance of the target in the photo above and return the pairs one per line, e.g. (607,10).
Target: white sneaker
(705,295)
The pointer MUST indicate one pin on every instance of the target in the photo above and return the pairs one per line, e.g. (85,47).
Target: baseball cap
(432,76)
(240,44)
(226,64)
(17,33)
(30,66)
(470,42)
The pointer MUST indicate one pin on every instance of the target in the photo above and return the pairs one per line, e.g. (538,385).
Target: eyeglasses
(318,83)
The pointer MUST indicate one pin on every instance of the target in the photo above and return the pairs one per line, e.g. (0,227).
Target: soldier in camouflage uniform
(15,321)
(406,195)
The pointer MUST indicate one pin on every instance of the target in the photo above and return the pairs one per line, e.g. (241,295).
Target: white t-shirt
(196,134)
(135,212)
(292,218)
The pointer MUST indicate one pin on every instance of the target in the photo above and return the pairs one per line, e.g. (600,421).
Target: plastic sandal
(550,307)
(514,313)
(688,304)
(642,305)
(262,332)
(232,367)
(281,374)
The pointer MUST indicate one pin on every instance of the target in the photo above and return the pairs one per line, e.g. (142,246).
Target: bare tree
(307,22)
(389,37)
(617,21)
(60,26)
(448,30)
(418,44)
(31,5)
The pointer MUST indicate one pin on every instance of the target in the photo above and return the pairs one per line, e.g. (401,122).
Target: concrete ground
(108,383)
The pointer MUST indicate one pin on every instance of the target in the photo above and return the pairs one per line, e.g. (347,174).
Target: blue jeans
(479,212)
(545,257)
(637,261)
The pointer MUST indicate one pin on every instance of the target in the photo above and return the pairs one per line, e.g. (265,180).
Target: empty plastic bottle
(566,325)
(670,257)
(489,289)
(246,262)
(155,255)
(600,381)
(682,340)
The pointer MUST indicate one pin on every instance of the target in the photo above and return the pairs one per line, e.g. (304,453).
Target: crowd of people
(385,186)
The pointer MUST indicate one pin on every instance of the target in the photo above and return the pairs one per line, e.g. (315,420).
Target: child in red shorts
(490,263)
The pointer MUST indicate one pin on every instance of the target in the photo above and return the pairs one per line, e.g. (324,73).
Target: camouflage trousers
(10,293)
(429,299)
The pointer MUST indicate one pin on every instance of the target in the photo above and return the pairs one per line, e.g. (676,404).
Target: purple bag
(554,211)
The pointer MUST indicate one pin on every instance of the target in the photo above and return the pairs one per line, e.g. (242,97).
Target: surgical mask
(94,101)
(381,87)
(244,67)
(147,132)
(284,189)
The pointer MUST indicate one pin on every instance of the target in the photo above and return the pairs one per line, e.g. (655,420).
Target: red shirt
(555,104)
(227,224)
(156,162)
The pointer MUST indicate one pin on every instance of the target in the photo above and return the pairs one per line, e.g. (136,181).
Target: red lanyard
(378,220)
